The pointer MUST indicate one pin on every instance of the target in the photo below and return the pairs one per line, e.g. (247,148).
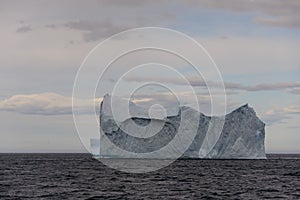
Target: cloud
(24,29)
(140,13)
(95,30)
(266,86)
(96,19)
(295,91)
(195,81)
(279,115)
(275,12)
(44,104)
(291,110)
(91,30)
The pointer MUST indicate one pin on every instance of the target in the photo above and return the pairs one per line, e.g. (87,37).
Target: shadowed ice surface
(78,176)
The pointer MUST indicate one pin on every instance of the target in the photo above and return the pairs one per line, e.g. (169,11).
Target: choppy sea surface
(78,176)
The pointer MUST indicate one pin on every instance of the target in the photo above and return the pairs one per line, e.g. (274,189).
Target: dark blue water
(78,176)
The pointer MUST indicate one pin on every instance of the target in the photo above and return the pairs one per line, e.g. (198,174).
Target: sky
(255,44)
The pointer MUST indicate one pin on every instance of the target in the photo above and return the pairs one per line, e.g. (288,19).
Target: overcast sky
(255,44)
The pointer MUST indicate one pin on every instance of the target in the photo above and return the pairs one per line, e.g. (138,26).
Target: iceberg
(242,135)
(95,147)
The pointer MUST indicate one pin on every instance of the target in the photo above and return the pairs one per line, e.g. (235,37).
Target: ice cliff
(242,135)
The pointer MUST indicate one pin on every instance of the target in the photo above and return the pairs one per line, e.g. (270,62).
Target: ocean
(79,176)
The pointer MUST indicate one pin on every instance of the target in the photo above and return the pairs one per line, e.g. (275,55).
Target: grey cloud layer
(293,87)
(263,87)
(272,13)
(93,30)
